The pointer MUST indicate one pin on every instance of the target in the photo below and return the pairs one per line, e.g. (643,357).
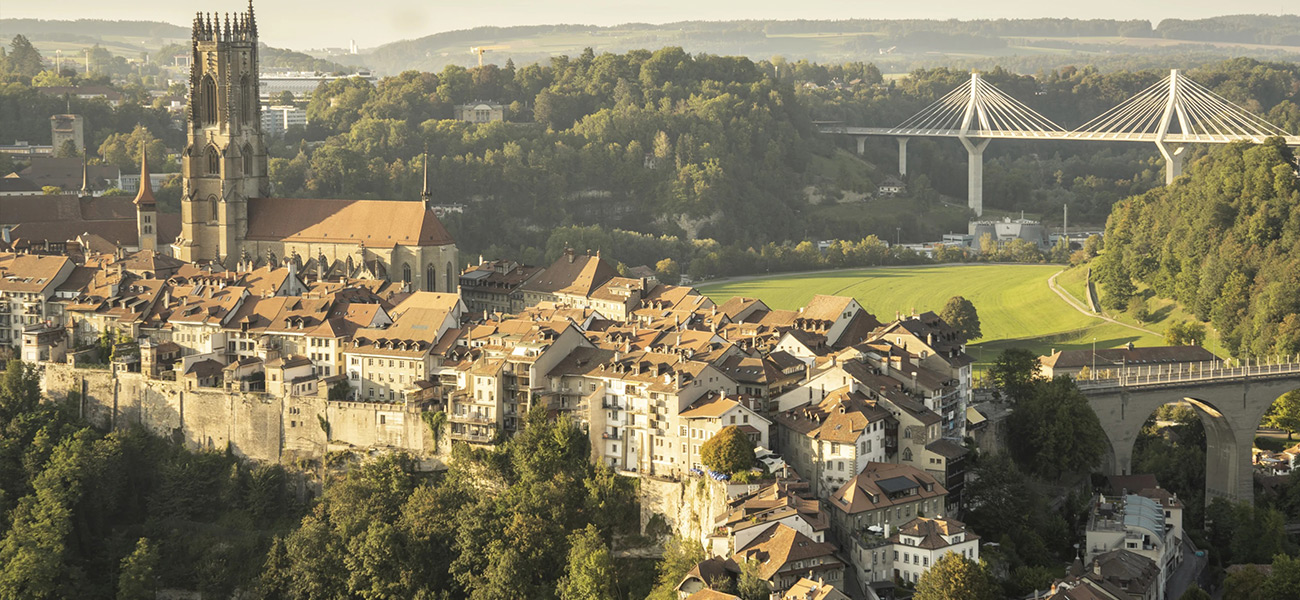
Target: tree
(1194,593)
(1092,245)
(68,149)
(669,271)
(955,577)
(136,580)
(1285,413)
(961,315)
(1137,306)
(729,451)
(123,149)
(23,60)
(680,556)
(1053,430)
(589,574)
(20,390)
(751,585)
(1015,372)
(1185,333)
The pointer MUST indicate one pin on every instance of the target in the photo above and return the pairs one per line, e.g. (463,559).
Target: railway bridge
(1229,396)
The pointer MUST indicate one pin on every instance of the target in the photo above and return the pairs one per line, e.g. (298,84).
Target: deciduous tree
(955,577)
(729,451)
(960,313)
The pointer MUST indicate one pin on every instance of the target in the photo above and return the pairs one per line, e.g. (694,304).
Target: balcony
(611,436)
(471,418)
(476,438)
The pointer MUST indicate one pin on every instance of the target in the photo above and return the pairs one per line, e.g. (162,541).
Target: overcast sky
(307,24)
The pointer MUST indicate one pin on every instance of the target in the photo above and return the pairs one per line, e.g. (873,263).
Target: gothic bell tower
(224,162)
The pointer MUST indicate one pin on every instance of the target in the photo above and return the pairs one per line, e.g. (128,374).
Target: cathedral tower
(224,163)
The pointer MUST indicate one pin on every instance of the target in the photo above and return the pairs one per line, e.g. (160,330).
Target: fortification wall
(257,426)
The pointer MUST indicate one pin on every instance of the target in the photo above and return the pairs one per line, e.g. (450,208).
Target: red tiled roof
(371,223)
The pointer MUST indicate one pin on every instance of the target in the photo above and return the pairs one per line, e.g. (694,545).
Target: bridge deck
(1191,377)
(1093,136)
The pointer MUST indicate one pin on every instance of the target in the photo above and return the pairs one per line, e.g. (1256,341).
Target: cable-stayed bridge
(1171,114)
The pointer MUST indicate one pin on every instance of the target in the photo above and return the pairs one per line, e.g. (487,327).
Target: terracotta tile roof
(371,223)
(841,417)
(31,273)
(932,532)
(738,304)
(807,589)
(709,594)
(1070,359)
(864,492)
(825,308)
(574,274)
(779,546)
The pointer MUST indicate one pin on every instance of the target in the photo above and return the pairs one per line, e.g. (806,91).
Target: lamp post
(898,236)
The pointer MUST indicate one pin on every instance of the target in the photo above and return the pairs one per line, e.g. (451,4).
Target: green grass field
(1015,304)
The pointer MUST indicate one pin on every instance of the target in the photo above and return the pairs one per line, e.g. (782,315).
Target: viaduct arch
(1230,403)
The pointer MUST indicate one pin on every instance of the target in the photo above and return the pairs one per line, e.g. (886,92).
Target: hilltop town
(214,389)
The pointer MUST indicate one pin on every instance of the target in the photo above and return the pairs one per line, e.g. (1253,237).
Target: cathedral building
(228,213)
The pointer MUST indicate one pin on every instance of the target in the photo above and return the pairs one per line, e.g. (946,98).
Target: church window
(208,101)
(213,202)
(247,153)
(246,100)
(429,278)
(451,286)
(214,161)
(406,273)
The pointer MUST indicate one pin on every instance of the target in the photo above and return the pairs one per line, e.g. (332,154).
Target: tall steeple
(146,210)
(426,195)
(144,197)
(85,177)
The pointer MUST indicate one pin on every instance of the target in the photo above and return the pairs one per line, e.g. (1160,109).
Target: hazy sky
(306,24)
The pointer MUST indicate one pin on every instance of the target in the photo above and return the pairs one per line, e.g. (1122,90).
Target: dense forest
(88,514)
(712,161)
(1224,241)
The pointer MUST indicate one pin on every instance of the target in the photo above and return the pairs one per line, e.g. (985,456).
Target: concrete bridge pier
(1173,161)
(902,156)
(862,145)
(975,173)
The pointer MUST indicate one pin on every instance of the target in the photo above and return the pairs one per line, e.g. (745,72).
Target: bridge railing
(1187,373)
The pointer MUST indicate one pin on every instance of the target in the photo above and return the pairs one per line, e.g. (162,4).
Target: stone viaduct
(1230,401)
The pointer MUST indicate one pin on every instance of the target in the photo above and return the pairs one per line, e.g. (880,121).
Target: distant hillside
(1026,45)
(58,30)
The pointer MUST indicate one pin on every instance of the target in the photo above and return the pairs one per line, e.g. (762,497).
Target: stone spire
(144,197)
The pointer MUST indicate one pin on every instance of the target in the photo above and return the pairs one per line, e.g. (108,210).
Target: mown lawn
(1015,304)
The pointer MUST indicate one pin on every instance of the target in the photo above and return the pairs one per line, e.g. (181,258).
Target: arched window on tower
(247,152)
(450,282)
(213,202)
(430,279)
(214,161)
(208,101)
(406,273)
(246,100)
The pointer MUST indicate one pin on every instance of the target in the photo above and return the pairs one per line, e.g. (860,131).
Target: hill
(897,46)
(1017,308)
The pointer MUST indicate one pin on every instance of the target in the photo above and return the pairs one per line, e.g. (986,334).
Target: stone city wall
(254,425)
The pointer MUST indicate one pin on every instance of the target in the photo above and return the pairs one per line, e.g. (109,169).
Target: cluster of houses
(866,419)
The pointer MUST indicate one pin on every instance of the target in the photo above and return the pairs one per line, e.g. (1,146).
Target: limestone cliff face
(688,506)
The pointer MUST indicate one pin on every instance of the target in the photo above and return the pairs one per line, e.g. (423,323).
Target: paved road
(1074,303)
(1187,572)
